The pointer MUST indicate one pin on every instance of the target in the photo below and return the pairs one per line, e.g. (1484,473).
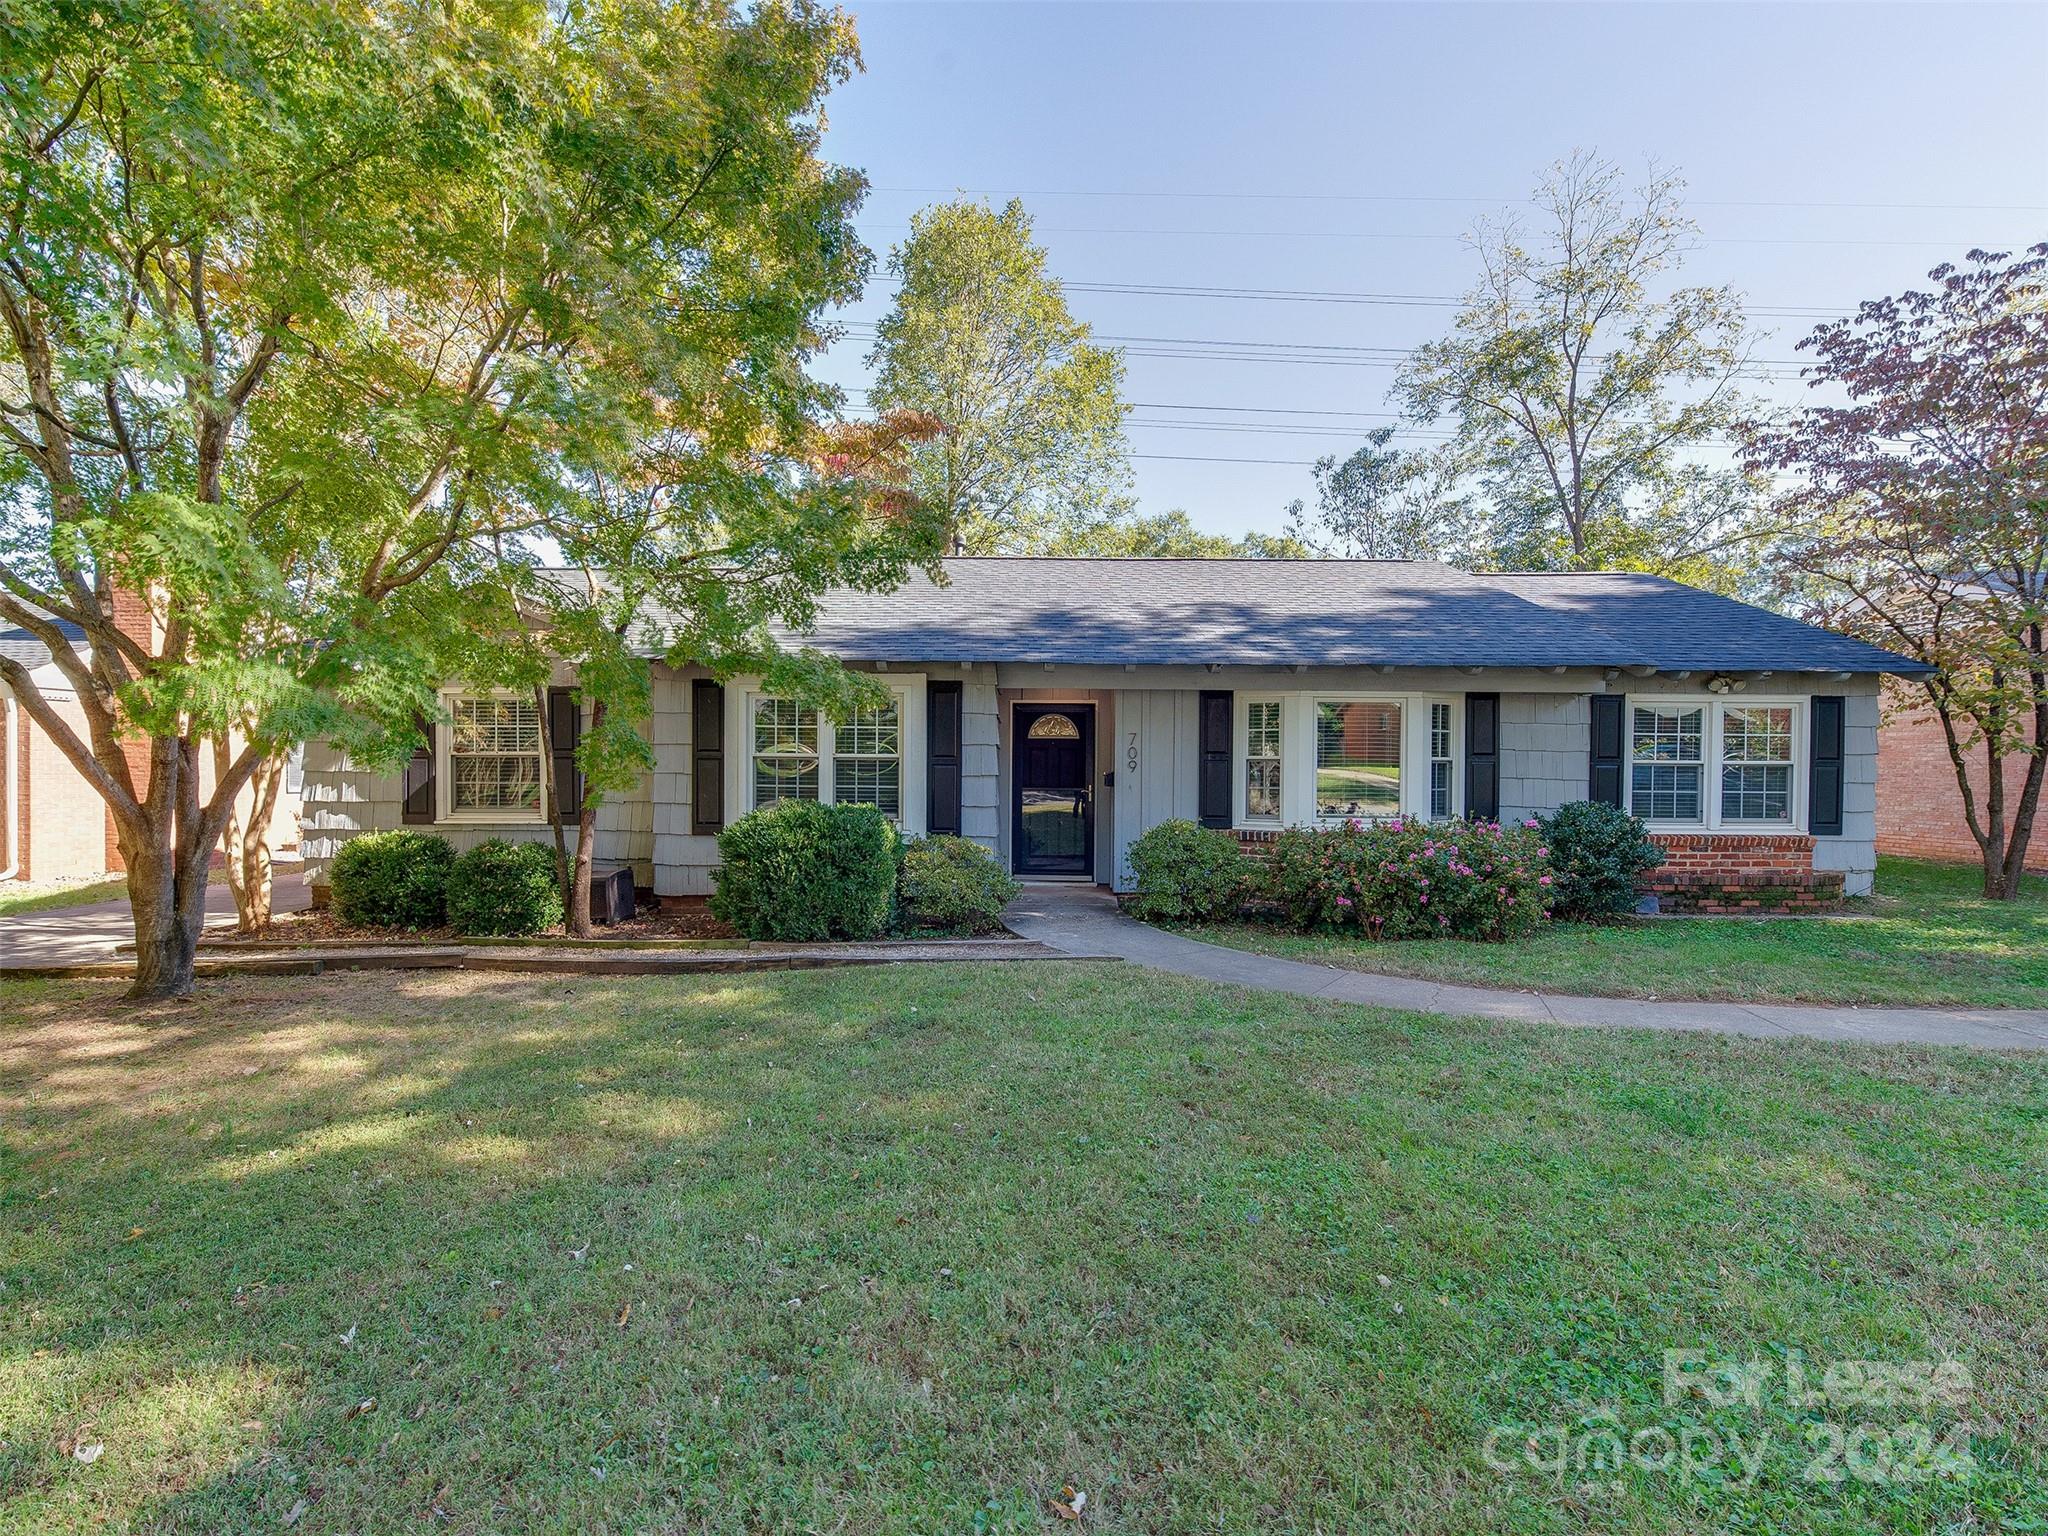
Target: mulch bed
(671,917)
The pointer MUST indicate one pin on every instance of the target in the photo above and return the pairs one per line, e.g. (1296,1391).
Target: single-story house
(1054,709)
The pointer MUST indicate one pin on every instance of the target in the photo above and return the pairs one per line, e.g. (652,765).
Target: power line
(1377,234)
(1204,458)
(1443,197)
(1346,296)
(1217,348)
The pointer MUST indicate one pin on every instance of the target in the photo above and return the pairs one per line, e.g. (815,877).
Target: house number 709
(1131,754)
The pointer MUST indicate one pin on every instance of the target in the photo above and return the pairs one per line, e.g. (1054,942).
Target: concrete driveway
(61,935)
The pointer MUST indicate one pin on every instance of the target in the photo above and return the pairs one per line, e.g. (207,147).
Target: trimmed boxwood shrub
(1405,879)
(504,889)
(1187,873)
(392,880)
(951,884)
(799,872)
(1598,853)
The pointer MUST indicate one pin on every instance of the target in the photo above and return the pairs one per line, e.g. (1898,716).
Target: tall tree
(1380,503)
(671,555)
(980,337)
(306,310)
(1921,515)
(1580,386)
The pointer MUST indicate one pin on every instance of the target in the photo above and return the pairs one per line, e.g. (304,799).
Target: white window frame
(907,689)
(1713,731)
(1298,753)
(444,771)
(1241,739)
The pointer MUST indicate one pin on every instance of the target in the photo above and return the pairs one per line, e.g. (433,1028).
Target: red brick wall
(1732,855)
(1740,872)
(1919,807)
(135,619)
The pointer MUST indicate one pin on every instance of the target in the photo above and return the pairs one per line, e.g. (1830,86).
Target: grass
(911,1250)
(15,902)
(1926,937)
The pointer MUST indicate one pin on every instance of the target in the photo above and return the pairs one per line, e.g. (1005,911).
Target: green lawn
(16,902)
(1926,937)
(910,1250)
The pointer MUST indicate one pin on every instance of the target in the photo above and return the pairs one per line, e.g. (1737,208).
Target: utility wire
(1443,197)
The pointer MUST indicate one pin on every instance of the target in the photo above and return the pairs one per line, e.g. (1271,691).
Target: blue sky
(1373,135)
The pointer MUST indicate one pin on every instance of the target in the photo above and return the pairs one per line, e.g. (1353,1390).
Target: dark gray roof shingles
(1319,613)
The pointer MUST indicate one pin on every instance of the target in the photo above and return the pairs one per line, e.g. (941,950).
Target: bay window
(1753,750)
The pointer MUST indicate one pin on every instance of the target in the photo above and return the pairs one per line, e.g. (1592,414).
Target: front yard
(1926,937)
(916,1249)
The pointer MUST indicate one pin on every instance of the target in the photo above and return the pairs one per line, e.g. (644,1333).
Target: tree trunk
(551,805)
(245,843)
(578,916)
(167,894)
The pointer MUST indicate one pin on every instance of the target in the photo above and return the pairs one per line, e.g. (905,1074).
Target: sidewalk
(68,935)
(1081,919)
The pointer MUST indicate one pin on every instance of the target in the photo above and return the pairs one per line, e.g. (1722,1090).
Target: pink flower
(1543,879)
(1343,901)
(1530,822)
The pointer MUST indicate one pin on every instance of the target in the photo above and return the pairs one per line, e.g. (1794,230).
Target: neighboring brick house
(1054,709)
(53,824)
(1921,816)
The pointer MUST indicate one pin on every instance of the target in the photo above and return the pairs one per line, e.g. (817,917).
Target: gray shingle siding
(1543,742)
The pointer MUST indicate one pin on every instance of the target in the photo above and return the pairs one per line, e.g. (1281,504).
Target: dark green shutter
(1603,779)
(1214,780)
(1824,780)
(1482,756)
(707,756)
(942,763)
(565,730)
(419,781)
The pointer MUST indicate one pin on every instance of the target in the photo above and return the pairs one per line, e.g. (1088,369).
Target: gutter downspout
(13,729)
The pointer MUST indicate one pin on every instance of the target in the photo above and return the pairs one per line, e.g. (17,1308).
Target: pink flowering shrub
(1405,879)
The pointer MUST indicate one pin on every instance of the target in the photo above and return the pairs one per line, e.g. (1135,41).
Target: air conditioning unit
(611,896)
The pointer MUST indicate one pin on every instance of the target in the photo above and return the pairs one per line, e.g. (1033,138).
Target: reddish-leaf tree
(1922,510)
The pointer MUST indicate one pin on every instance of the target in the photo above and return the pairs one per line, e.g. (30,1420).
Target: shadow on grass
(914,1249)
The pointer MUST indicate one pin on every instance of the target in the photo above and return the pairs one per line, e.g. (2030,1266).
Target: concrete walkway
(1080,919)
(67,935)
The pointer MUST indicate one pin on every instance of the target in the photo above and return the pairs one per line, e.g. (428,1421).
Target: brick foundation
(1736,872)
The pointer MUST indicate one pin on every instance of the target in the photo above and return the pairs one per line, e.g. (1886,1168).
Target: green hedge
(952,885)
(1187,873)
(505,889)
(392,880)
(800,872)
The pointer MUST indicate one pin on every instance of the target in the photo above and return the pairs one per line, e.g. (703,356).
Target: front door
(1052,826)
